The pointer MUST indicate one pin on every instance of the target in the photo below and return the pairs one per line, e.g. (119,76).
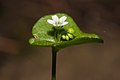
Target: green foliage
(43,33)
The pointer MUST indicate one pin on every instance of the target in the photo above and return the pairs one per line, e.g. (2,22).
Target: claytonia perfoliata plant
(59,31)
(56,21)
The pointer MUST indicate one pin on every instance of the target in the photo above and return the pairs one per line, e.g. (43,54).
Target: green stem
(54,55)
(57,34)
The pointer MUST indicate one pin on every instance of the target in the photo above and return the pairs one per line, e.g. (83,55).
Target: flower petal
(50,21)
(54,24)
(64,23)
(55,18)
(62,19)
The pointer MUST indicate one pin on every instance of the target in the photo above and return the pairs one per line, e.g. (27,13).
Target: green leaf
(43,33)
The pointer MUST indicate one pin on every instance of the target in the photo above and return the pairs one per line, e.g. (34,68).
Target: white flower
(58,22)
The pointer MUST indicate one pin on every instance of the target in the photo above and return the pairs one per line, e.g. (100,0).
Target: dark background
(20,61)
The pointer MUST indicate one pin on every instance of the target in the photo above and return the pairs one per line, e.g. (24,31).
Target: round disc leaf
(43,33)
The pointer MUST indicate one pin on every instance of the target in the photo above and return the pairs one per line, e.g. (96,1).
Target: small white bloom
(58,22)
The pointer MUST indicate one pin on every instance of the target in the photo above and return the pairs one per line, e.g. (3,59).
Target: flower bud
(71,30)
(67,38)
(70,35)
(63,37)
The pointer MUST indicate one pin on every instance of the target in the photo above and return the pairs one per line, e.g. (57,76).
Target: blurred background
(20,61)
